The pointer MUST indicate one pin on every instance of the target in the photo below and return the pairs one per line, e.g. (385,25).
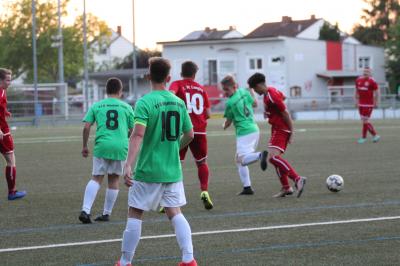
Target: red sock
(203,173)
(284,167)
(371,129)
(283,178)
(11,176)
(364,130)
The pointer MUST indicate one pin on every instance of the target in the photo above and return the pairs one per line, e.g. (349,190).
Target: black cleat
(85,218)
(246,191)
(103,218)
(263,160)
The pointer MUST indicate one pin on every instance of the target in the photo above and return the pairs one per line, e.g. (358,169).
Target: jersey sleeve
(141,113)
(174,87)
(90,116)
(374,85)
(187,123)
(228,112)
(206,100)
(277,98)
(131,118)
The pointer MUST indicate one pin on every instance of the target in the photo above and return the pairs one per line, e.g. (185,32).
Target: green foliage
(329,32)
(393,50)
(142,58)
(16,40)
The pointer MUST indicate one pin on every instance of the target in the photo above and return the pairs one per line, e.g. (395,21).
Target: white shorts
(247,143)
(105,166)
(150,196)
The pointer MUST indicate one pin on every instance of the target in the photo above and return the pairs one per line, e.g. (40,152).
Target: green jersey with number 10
(113,118)
(165,117)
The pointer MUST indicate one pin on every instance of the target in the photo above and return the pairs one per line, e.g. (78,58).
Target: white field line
(251,229)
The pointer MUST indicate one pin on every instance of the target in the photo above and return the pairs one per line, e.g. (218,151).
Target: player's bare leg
(110,198)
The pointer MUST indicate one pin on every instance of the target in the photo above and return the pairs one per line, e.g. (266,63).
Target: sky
(171,20)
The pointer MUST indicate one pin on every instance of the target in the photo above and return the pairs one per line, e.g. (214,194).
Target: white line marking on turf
(274,227)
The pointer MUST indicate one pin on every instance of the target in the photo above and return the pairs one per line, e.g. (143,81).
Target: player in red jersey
(366,95)
(281,135)
(198,107)
(6,140)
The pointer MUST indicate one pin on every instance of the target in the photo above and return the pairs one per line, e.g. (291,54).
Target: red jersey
(3,112)
(196,100)
(274,106)
(365,87)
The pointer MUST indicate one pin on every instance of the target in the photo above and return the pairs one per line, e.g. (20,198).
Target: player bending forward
(160,120)
(281,134)
(198,107)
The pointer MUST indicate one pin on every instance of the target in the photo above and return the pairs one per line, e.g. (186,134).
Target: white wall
(312,32)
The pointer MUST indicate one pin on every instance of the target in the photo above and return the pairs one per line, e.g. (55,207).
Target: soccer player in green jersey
(162,128)
(239,111)
(114,121)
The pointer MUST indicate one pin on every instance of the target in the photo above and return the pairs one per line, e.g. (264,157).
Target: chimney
(232,28)
(286,19)
(207,29)
(313,17)
(119,30)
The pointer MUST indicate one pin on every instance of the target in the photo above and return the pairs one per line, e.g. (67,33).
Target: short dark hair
(255,79)
(113,86)
(4,72)
(159,69)
(228,80)
(189,69)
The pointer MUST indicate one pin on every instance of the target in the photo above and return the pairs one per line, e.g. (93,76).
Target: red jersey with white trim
(274,106)
(196,100)
(365,87)
(3,112)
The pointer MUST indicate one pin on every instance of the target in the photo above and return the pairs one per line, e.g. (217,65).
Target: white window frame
(363,65)
(255,58)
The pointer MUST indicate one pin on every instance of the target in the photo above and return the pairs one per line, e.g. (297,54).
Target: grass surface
(53,172)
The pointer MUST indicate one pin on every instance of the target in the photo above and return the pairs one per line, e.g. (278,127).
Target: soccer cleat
(246,191)
(376,138)
(85,218)
(205,197)
(361,140)
(161,210)
(192,263)
(301,182)
(16,195)
(102,218)
(119,264)
(263,160)
(283,193)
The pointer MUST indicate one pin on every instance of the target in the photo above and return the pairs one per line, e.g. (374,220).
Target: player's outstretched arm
(85,139)
(187,137)
(134,146)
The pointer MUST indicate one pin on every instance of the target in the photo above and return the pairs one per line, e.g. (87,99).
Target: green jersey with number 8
(113,118)
(165,117)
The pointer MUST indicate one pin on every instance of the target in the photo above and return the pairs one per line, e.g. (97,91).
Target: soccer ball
(335,183)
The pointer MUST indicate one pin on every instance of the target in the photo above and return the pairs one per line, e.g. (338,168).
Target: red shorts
(365,111)
(198,148)
(279,139)
(7,144)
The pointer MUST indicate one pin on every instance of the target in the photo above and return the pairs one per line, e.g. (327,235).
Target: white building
(288,52)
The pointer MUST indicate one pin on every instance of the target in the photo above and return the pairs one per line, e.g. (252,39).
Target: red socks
(203,173)
(284,170)
(371,129)
(11,175)
(367,127)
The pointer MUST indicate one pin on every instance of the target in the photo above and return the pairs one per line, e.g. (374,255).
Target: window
(255,64)
(295,91)
(212,72)
(364,61)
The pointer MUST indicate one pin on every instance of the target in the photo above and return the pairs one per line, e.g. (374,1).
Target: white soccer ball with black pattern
(335,183)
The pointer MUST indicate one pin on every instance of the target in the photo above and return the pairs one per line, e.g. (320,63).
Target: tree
(142,58)
(16,40)
(378,19)
(393,50)
(329,32)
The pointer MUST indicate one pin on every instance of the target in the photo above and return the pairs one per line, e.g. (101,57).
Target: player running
(114,120)
(6,139)
(198,107)
(366,95)
(161,119)
(281,135)
(239,111)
